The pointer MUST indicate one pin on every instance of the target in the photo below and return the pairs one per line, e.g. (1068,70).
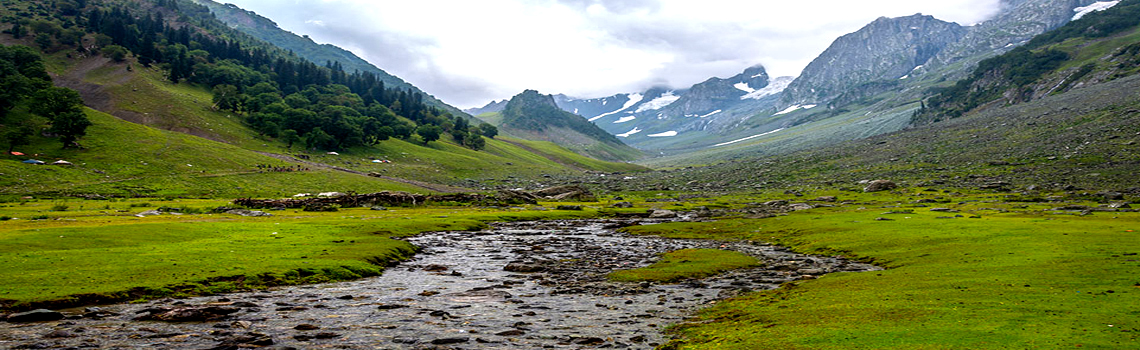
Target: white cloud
(471,52)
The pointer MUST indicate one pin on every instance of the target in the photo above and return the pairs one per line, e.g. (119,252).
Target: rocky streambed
(522,285)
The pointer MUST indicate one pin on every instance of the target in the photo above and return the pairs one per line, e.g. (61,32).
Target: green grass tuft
(687,264)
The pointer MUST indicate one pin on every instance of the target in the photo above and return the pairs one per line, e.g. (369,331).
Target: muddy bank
(519,285)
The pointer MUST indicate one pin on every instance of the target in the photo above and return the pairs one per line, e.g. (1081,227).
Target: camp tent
(33,161)
(61,162)
(17,154)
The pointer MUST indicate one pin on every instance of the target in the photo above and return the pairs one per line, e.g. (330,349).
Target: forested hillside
(279,94)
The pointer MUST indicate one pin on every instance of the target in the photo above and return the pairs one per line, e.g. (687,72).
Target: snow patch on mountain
(793,109)
(774,87)
(625,119)
(747,138)
(666,99)
(744,87)
(710,114)
(630,133)
(633,99)
(1098,6)
(665,134)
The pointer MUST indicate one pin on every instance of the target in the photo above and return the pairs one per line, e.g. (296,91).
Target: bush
(59,207)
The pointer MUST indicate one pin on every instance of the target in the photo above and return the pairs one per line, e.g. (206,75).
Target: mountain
(493,107)
(535,116)
(885,50)
(662,119)
(265,29)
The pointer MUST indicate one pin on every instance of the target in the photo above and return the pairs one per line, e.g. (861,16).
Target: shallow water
(456,294)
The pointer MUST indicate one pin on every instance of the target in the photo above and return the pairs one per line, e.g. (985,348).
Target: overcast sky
(468,53)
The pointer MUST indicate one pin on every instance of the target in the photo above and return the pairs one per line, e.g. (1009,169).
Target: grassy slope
(124,158)
(99,247)
(1017,277)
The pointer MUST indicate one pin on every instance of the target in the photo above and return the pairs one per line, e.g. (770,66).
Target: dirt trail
(426,185)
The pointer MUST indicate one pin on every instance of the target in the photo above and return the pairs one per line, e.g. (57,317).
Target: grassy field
(687,264)
(993,275)
(60,253)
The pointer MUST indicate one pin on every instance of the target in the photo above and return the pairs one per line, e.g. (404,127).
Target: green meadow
(989,274)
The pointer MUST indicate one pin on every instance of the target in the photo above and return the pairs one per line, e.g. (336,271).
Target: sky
(468,53)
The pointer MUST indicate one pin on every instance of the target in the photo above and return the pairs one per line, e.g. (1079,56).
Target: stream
(525,285)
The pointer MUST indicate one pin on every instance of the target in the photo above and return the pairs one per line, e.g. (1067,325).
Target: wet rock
(245,341)
(187,314)
(39,315)
(435,268)
(57,334)
(391,307)
(511,333)
(524,267)
(880,185)
(449,341)
(241,324)
(306,327)
(590,341)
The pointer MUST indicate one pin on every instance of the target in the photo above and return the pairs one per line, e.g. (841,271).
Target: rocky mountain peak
(886,49)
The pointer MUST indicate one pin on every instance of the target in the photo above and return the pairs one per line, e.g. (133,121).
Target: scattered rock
(883,219)
(662,214)
(943,210)
(623,205)
(1120,205)
(826,199)
(575,193)
(59,334)
(569,207)
(511,333)
(379,208)
(187,314)
(39,315)
(306,327)
(249,213)
(880,185)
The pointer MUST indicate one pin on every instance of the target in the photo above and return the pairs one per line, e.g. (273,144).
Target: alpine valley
(188,174)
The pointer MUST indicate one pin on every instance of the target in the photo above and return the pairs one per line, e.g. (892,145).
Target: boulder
(800,206)
(662,214)
(516,197)
(39,315)
(880,185)
(826,199)
(575,193)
